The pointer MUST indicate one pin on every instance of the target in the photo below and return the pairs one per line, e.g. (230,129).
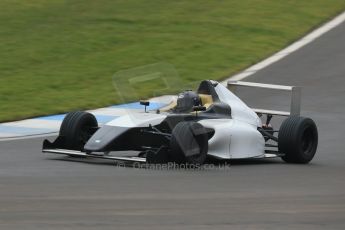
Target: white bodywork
(234,138)
(238,137)
(239,110)
(137,120)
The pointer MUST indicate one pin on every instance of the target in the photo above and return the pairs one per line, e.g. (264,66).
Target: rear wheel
(77,128)
(298,139)
(189,143)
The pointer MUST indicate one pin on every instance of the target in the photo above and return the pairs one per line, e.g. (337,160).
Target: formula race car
(210,122)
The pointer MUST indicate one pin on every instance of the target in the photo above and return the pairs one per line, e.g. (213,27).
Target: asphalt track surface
(40,191)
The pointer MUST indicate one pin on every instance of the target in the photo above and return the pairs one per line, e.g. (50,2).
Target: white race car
(211,122)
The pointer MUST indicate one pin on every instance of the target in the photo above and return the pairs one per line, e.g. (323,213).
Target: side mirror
(145,103)
(199,108)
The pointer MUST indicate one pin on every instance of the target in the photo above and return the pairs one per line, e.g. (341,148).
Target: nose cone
(104,137)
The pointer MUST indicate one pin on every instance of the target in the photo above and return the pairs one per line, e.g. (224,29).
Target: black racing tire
(189,143)
(298,140)
(77,128)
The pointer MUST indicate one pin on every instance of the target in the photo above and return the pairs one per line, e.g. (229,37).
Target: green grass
(58,55)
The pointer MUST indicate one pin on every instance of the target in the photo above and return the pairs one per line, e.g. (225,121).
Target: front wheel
(298,139)
(77,128)
(189,143)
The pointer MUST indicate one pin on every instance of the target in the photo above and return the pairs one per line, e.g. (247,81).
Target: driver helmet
(186,100)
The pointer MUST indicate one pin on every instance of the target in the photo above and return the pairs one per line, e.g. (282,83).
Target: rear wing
(295,105)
